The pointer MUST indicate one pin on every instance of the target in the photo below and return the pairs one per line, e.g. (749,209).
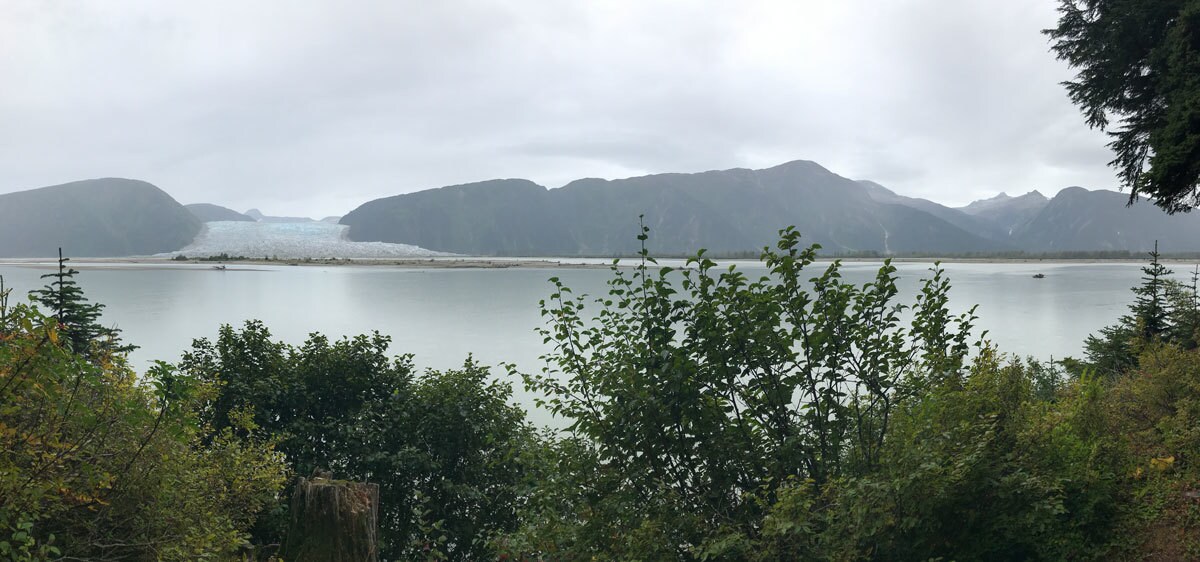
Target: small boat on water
(219,267)
(1039,275)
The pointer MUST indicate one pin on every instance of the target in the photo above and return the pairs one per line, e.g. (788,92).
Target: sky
(312,107)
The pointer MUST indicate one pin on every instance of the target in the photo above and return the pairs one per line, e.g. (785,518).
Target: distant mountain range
(723,211)
(207,212)
(257,215)
(1075,220)
(741,210)
(1099,220)
(1006,213)
(94,218)
(726,212)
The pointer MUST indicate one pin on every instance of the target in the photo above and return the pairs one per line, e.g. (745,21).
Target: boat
(1039,275)
(219,267)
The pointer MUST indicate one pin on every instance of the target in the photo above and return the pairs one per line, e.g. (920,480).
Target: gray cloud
(314,107)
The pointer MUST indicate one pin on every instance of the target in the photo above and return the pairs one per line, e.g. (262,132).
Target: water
(441,315)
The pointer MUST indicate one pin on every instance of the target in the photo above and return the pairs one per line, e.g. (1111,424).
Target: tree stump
(333,521)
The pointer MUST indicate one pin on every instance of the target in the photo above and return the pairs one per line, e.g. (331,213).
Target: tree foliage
(699,390)
(1138,64)
(444,446)
(78,319)
(713,416)
(1164,310)
(98,464)
(701,404)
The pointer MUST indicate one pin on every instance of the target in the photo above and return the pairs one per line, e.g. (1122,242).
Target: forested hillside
(723,211)
(101,217)
(738,211)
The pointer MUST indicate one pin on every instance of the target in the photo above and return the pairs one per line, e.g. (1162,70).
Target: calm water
(442,315)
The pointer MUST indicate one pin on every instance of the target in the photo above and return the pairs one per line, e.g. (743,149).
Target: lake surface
(441,315)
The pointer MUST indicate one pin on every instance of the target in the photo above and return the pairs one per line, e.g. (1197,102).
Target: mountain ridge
(208,212)
(720,210)
(727,212)
(257,215)
(94,218)
(739,210)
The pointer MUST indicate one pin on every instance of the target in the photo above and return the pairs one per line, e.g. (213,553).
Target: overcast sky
(313,107)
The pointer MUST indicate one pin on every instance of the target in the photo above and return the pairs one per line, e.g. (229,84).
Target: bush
(97,464)
(446,448)
(700,395)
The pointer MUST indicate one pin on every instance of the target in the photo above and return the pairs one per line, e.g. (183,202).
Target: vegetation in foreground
(99,464)
(712,417)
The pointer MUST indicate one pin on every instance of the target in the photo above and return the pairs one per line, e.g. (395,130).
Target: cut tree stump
(333,521)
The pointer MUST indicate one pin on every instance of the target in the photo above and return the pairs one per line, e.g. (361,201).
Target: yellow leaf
(1162,463)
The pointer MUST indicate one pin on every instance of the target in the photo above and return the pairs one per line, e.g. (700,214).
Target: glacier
(296,240)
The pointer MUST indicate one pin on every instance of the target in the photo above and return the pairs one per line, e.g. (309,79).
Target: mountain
(979,205)
(1081,220)
(956,217)
(1007,213)
(94,218)
(258,216)
(722,211)
(208,212)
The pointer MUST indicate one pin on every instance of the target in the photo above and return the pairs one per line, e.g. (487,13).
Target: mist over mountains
(1007,213)
(725,211)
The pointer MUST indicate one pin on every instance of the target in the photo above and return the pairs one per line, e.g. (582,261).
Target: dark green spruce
(1137,63)
(78,319)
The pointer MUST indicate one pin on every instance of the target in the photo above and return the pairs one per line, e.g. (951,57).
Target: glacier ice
(315,240)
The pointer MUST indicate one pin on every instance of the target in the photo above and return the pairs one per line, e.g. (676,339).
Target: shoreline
(134,263)
(491,262)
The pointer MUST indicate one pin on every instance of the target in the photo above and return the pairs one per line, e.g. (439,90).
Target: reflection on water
(442,315)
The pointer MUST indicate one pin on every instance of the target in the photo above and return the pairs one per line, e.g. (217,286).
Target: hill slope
(723,211)
(94,218)
(208,212)
(1081,220)
(1007,214)
(956,217)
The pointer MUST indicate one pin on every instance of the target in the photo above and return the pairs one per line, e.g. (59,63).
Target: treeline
(1021,255)
(1001,255)
(711,416)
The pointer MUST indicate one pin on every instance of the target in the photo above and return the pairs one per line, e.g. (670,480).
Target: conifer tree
(78,319)
(1137,62)
(1150,307)
(1184,301)
(1116,348)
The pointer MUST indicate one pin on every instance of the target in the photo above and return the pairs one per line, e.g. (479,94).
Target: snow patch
(291,241)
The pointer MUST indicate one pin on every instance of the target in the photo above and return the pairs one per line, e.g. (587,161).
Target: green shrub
(98,464)
(447,449)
